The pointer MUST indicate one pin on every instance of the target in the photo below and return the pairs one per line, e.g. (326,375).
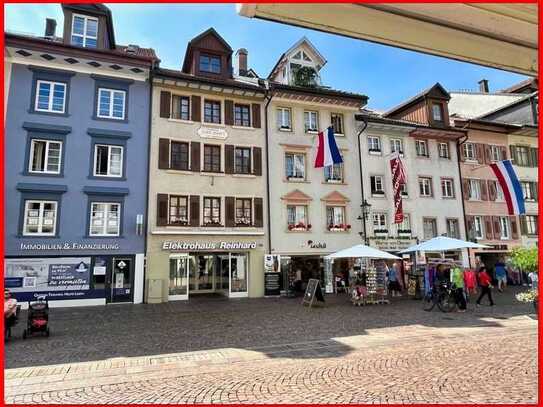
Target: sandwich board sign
(313,292)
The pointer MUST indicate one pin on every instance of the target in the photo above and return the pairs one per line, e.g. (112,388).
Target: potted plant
(526,260)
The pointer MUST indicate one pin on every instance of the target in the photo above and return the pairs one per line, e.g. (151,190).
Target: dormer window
(437,112)
(210,63)
(84,31)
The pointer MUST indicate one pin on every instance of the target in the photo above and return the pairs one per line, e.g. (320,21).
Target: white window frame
(402,226)
(313,116)
(470,153)
(426,183)
(335,208)
(478,227)
(334,169)
(111,95)
(439,110)
(40,218)
(447,149)
(393,142)
(294,154)
(52,85)
(377,192)
(500,197)
(434,223)
(450,188)
(504,221)
(381,219)
(281,112)
(448,221)
(531,226)
(471,195)
(85,35)
(342,120)
(526,187)
(299,209)
(495,153)
(31,156)
(371,147)
(106,218)
(109,148)
(418,144)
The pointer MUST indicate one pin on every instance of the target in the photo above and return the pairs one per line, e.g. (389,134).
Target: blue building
(76,161)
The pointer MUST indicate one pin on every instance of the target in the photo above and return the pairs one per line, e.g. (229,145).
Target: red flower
(290,227)
(348,226)
(309,226)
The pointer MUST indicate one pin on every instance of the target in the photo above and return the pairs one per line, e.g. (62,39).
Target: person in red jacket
(485,281)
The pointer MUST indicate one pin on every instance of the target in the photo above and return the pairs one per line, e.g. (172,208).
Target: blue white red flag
(510,184)
(327,150)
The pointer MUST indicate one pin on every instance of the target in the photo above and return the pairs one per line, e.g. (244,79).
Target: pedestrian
(486,286)
(457,278)
(393,283)
(501,274)
(533,279)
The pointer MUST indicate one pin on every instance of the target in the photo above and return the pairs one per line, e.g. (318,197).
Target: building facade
(207,192)
(77,131)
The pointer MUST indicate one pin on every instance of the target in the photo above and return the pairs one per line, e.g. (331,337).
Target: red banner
(398,179)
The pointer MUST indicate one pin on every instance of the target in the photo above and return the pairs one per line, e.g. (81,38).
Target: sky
(385,74)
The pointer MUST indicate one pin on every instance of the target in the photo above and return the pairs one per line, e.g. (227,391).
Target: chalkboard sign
(313,292)
(272,284)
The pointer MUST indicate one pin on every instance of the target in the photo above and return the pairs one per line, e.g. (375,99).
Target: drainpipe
(268,98)
(459,142)
(366,240)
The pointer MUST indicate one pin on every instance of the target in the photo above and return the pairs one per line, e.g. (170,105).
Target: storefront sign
(212,132)
(272,284)
(69,246)
(392,245)
(176,245)
(316,245)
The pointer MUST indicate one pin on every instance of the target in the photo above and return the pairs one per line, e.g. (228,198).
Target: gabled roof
(195,40)
(97,9)
(476,104)
(436,91)
(523,99)
(296,196)
(304,40)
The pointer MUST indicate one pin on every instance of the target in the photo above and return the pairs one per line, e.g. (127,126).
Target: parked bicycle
(442,295)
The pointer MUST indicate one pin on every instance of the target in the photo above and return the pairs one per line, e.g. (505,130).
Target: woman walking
(486,286)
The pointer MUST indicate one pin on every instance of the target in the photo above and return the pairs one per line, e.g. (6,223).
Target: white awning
(362,251)
(443,244)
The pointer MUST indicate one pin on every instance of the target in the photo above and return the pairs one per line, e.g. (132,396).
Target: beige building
(207,179)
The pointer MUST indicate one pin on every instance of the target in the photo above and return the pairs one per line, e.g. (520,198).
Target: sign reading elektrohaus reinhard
(176,245)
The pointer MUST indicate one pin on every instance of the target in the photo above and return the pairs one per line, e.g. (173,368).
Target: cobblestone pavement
(264,350)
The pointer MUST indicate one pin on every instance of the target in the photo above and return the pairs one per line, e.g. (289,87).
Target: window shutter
(162,210)
(480,151)
(465,188)
(484,190)
(195,210)
(196,102)
(462,152)
(492,192)
(497,227)
(163,154)
(471,226)
(514,228)
(488,154)
(535,191)
(256,115)
(257,161)
(230,211)
(503,152)
(165,102)
(523,225)
(259,213)
(229,159)
(534,158)
(229,112)
(195,156)
(488,227)
(513,150)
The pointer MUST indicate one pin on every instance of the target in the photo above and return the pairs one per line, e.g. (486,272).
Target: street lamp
(365,209)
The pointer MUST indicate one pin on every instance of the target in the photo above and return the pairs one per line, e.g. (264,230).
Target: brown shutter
(229,112)
(230,211)
(162,210)
(514,228)
(513,150)
(534,158)
(484,190)
(465,188)
(480,151)
(195,156)
(163,153)
(256,115)
(497,227)
(523,225)
(462,152)
(259,213)
(196,102)
(535,192)
(471,226)
(488,153)
(194,210)
(229,159)
(503,152)
(492,192)
(257,161)
(488,227)
(165,102)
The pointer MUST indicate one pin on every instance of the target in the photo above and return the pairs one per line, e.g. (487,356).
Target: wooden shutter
(523,225)
(195,156)
(194,210)
(513,150)
(230,211)
(497,227)
(163,153)
(259,213)
(229,159)
(484,190)
(492,191)
(503,152)
(257,161)
(462,152)
(196,102)
(162,210)
(514,227)
(256,115)
(488,227)
(470,225)
(165,103)
(480,151)
(465,188)
(534,190)
(488,154)
(229,112)
(533,157)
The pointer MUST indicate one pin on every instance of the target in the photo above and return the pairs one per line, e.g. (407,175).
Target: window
(444,150)
(404,228)
(333,173)
(499,192)
(478,227)
(522,156)
(108,161)
(422,148)
(380,222)
(212,158)
(396,145)
(469,152)
(179,210)
(453,229)
(50,97)
(337,123)
(212,211)
(179,156)
(180,107)
(111,103)
(335,217)
(40,218)
(212,112)
(474,190)
(403,190)
(425,186)
(531,225)
(295,166)
(504,226)
(45,156)
(283,118)
(105,219)
(242,160)
(527,190)
(437,112)
(84,31)
(210,63)
(429,227)
(297,216)
(377,186)
(311,122)
(495,153)
(243,212)
(447,188)
(374,144)
(242,116)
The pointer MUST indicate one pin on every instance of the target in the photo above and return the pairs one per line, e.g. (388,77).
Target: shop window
(108,160)
(244,212)
(311,121)
(422,148)
(180,107)
(212,158)
(242,117)
(242,160)
(105,219)
(377,185)
(179,156)
(337,123)
(212,111)
(425,186)
(295,166)
(212,211)
(45,156)
(179,210)
(40,218)
(333,173)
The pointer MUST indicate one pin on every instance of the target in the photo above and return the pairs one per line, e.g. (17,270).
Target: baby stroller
(38,317)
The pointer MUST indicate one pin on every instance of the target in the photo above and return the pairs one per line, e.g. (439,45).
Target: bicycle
(442,295)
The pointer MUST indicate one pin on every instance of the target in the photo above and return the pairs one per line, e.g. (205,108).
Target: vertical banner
(398,179)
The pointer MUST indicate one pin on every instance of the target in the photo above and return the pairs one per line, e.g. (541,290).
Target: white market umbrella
(361,250)
(443,244)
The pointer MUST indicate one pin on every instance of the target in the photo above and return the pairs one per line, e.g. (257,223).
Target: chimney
(50,27)
(483,85)
(241,61)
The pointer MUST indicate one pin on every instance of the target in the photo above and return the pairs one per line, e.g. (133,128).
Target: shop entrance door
(202,275)
(223,274)
(239,270)
(179,277)
(120,281)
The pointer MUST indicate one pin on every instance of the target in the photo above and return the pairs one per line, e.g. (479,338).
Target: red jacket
(484,279)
